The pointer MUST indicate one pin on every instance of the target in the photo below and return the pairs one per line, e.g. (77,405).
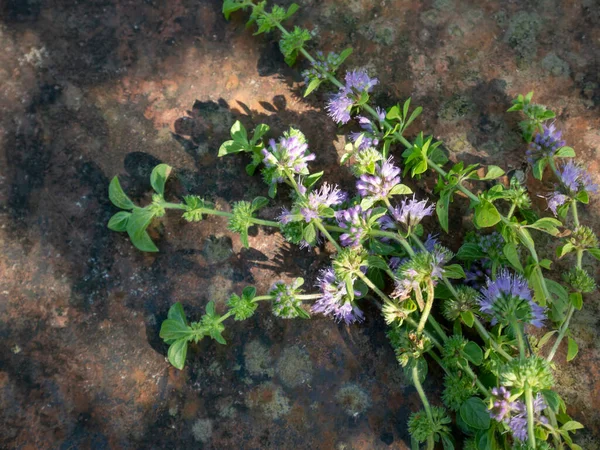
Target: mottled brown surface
(104,87)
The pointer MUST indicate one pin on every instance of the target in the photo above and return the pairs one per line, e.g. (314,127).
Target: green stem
(321,228)
(561,333)
(530,418)
(518,331)
(396,237)
(427,309)
(426,406)
(309,296)
(169,205)
(473,376)
(511,211)
(486,337)
(374,288)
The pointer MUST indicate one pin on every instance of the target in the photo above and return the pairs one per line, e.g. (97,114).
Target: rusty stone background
(97,88)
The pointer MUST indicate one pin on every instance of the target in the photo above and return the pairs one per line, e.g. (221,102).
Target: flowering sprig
(424,274)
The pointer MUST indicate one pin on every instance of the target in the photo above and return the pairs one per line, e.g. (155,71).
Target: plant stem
(479,384)
(427,309)
(374,288)
(486,337)
(396,237)
(169,205)
(561,333)
(321,228)
(530,419)
(426,406)
(516,327)
(309,296)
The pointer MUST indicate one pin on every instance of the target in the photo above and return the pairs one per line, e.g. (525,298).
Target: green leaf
(565,152)
(572,425)
(595,252)
(174,329)
(545,338)
(454,271)
(475,413)
(366,203)
(117,196)
(393,113)
(239,133)
(260,130)
(249,292)
(572,349)
(259,202)
(229,147)
(177,353)
(511,253)
(310,234)
(177,313)
(401,189)
(291,10)
(583,197)
(441,208)
(538,168)
(547,224)
(230,6)
(493,172)
(468,318)
(377,263)
(314,84)
(486,214)
(344,55)
(310,180)
(576,300)
(418,110)
(552,399)
(136,229)
(118,222)
(473,353)
(158,178)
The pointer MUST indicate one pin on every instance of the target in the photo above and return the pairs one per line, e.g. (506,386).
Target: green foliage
(291,43)
(243,307)
(421,427)
(423,149)
(475,413)
(243,213)
(536,115)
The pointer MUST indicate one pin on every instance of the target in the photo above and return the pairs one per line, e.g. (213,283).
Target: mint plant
(474,312)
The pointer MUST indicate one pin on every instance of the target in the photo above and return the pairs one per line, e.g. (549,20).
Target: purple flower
(285,217)
(339,107)
(334,301)
(411,212)
(509,296)
(478,273)
(341,103)
(289,154)
(355,221)
(366,141)
(576,179)
(501,406)
(555,200)
(325,197)
(545,144)
(379,185)
(514,414)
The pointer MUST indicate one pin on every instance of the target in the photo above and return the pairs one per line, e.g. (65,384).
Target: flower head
(379,185)
(335,301)
(545,144)
(508,297)
(286,303)
(340,105)
(409,213)
(556,200)
(355,223)
(327,196)
(576,179)
(289,154)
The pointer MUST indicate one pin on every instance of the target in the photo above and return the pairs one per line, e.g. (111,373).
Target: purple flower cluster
(509,296)
(545,144)
(326,197)
(514,414)
(370,137)
(410,212)
(334,301)
(354,222)
(556,200)
(289,154)
(478,273)
(379,185)
(576,179)
(341,103)
(321,66)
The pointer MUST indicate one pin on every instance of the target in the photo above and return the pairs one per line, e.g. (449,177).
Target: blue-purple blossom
(478,272)
(335,301)
(514,414)
(379,185)
(354,221)
(410,212)
(556,200)
(370,136)
(576,179)
(545,144)
(509,296)
(285,217)
(326,197)
(289,154)
(340,105)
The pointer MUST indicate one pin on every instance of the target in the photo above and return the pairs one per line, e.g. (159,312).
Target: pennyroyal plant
(474,312)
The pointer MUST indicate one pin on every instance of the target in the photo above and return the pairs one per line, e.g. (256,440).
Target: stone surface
(91,90)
